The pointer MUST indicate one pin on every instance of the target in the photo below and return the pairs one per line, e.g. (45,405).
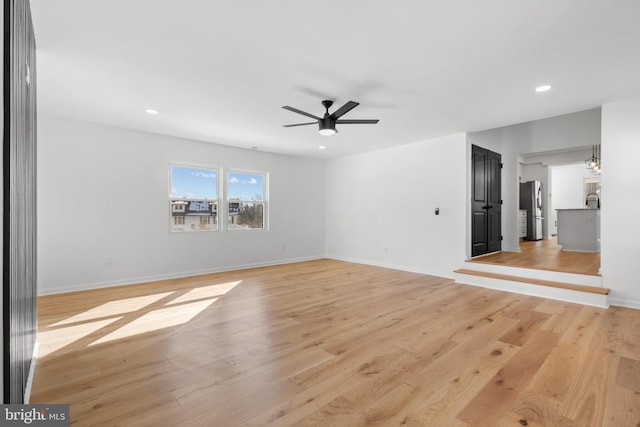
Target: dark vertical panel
(19,199)
(478,201)
(494,197)
(495,178)
(479,175)
(486,203)
(2,112)
(480,234)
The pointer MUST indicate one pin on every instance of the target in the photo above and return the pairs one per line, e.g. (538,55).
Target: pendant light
(594,163)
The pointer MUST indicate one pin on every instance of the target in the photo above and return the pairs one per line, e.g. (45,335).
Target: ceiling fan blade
(357,121)
(300,124)
(344,109)
(295,110)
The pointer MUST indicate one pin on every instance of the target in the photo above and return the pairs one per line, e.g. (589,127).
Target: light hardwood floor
(546,255)
(329,343)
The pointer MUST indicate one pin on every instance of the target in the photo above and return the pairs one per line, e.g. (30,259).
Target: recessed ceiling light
(543,88)
(322,147)
(151,111)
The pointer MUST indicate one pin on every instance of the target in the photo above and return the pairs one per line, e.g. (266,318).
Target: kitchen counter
(579,229)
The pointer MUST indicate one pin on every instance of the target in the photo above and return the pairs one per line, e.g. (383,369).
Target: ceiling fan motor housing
(327,123)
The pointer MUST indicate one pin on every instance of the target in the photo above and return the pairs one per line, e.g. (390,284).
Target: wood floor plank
(622,408)
(441,406)
(623,401)
(535,410)
(562,367)
(503,390)
(255,374)
(327,342)
(628,374)
(630,345)
(528,324)
(587,398)
(442,370)
(553,382)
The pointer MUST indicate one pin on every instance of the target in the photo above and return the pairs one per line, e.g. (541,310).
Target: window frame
(216,217)
(228,201)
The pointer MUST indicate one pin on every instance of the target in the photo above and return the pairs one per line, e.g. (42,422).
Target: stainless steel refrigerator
(531,201)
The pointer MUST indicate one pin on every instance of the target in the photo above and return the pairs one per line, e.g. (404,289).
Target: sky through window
(245,186)
(193,183)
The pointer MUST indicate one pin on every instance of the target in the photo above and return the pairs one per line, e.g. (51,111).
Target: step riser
(553,276)
(568,295)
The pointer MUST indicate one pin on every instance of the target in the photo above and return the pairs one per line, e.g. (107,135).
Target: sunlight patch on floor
(158,319)
(205,292)
(114,308)
(137,315)
(56,339)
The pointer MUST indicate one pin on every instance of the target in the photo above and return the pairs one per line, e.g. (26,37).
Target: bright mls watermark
(34,415)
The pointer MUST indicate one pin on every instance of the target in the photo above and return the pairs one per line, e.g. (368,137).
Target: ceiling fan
(327,123)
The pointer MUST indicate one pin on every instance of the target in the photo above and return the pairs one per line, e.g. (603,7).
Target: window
(592,187)
(193,199)
(247,199)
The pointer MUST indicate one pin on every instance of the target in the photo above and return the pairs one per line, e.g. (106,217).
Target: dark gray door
(486,201)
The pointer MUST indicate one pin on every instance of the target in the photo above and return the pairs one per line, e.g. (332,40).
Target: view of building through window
(246,198)
(193,199)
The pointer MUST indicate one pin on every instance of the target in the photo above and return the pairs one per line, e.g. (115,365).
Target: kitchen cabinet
(522,224)
(579,229)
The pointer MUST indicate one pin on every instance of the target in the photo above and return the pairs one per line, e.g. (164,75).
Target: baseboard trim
(624,303)
(157,277)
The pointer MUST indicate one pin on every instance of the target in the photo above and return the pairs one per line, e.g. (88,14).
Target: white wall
(380,206)
(562,132)
(567,188)
(103,194)
(620,211)
(580,129)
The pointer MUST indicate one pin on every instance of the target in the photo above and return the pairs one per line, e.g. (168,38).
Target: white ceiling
(220,71)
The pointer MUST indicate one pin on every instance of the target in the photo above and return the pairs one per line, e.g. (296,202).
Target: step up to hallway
(576,288)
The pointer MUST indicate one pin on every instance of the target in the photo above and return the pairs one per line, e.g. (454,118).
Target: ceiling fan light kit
(327,123)
(326,131)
